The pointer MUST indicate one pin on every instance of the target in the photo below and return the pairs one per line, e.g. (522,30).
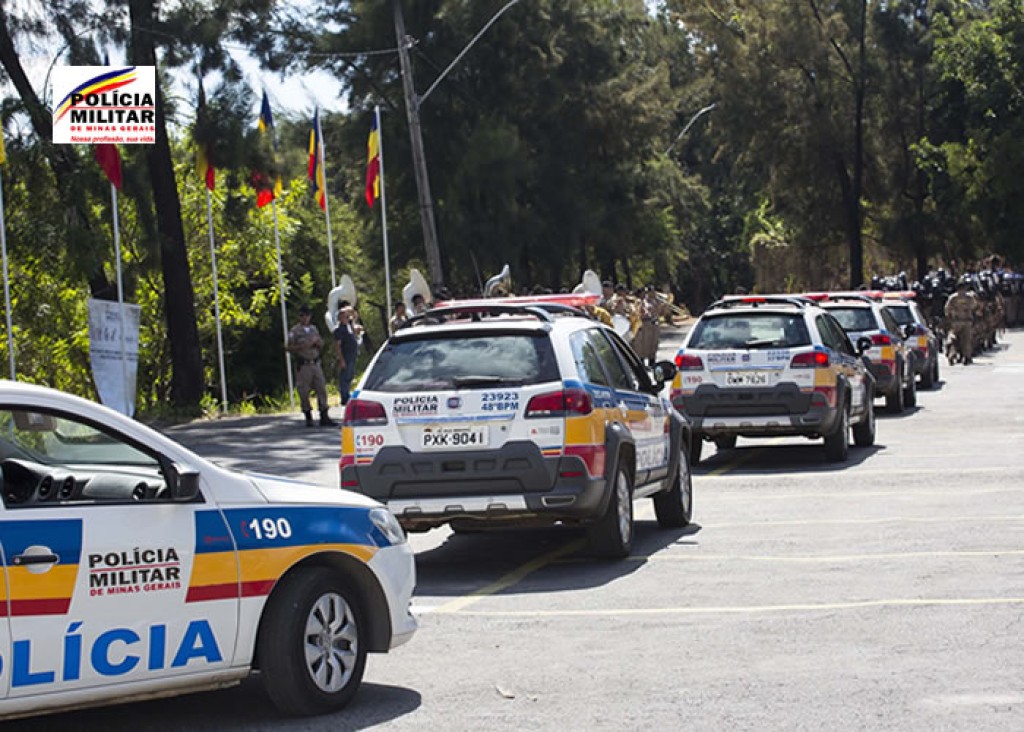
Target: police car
(135,569)
(516,411)
(763,366)
(863,316)
(923,345)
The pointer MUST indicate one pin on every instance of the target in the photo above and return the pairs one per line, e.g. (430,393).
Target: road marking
(822,558)
(872,494)
(752,609)
(510,579)
(796,472)
(862,521)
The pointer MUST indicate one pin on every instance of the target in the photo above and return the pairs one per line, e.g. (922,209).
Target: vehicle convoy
(135,569)
(512,412)
(773,365)
(863,316)
(924,346)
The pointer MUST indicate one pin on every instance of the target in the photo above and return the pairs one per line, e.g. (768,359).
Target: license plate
(746,378)
(447,438)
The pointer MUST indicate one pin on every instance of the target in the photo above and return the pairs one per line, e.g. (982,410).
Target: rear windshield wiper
(485,381)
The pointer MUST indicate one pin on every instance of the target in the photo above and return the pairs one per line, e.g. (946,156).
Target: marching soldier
(959,313)
(305,342)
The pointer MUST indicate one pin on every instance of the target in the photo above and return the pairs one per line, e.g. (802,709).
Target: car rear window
(901,313)
(855,319)
(750,330)
(463,361)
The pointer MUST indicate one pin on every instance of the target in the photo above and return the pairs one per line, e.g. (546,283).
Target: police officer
(305,342)
(959,313)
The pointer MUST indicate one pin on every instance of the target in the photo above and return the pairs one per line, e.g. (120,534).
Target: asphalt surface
(885,593)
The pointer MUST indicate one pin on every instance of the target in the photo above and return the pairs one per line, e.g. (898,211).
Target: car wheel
(931,374)
(696,447)
(674,508)
(612,535)
(910,393)
(725,442)
(312,649)
(864,431)
(894,400)
(837,442)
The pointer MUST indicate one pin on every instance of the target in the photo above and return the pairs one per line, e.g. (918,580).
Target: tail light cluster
(562,403)
(364,413)
(686,362)
(881,339)
(810,360)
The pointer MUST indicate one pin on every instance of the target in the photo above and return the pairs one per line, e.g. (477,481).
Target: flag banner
(108,369)
(266,121)
(206,172)
(104,104)
(316,162)
(109,159)
(264,191)
(373,165)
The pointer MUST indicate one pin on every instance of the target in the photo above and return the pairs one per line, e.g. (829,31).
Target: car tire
(696,447)
(910,393)
(894,400)
(931,374)
(674,508)
(725,442)
(312,643)
(837,442)
(611,535)
(864,431)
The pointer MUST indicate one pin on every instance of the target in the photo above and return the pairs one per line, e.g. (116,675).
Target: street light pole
(419,158)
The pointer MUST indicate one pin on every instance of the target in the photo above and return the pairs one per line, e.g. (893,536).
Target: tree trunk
(854,205)
(179,300)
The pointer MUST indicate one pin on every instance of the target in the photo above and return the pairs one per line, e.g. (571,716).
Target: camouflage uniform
(305,342)
(959,312)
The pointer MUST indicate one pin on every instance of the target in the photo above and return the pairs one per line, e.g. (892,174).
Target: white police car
(502,412)
(135,569)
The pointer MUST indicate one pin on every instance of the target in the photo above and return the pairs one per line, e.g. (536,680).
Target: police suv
(516,411)
(922,344)
(773,365)
(135,569)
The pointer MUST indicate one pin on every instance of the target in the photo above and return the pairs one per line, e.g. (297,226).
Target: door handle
(25,559)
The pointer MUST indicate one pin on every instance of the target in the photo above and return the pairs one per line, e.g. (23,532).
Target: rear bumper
(886,379)
(514,483)
(781,410)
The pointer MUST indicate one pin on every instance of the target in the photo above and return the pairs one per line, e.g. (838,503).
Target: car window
(891,324)
(53,459)
(839,335)
(612,365)
(588,363)
(854,319)
(828,336)
(634,365)
(901,314)
(750,330)
(453,360)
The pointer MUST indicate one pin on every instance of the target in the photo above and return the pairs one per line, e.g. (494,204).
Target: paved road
(885,594)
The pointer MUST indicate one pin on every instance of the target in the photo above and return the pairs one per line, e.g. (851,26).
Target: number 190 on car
(441,438)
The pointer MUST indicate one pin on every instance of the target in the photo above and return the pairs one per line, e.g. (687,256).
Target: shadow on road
(243,707)
(759,459)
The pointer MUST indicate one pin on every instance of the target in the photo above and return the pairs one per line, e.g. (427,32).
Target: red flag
(264,191)
(373,165)
(204,168)
(110,161)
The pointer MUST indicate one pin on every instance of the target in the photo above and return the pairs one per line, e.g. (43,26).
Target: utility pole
(419,159)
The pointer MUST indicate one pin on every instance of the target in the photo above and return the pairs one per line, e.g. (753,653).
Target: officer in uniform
(305,342)
(959,313)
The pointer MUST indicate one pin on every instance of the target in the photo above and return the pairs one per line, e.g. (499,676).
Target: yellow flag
(3,153)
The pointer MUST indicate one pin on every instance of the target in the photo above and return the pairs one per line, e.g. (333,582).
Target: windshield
(854,319)
(901,314)
(750,330)
(53,440)
(463,361)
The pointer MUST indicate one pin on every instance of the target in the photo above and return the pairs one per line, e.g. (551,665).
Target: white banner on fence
(114,360)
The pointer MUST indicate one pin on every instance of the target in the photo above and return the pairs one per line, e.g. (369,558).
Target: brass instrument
(346,290)
(417,286)
(499,285)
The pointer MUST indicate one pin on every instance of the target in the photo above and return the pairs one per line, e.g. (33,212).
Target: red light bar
(570,299)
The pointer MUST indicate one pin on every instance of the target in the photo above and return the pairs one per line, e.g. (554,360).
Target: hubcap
(685,486)
(331,643)
(625,508)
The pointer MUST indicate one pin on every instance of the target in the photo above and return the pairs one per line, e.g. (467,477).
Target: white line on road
(858,494)
(864,521)
(819,559)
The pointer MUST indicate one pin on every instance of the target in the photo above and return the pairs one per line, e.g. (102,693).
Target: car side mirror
(863,345)
(909,330)
(664,371)
(183,482)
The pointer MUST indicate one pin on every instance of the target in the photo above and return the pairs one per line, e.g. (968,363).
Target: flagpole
(383,213)
(327,204)
(120,301)
(216,306)
(7,291)
(284,307)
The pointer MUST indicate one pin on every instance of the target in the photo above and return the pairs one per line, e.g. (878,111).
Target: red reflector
(350,484)
(686,362)
(571,474)
(810,360)
(592,456)
(880,339)
(828,392)
(346,460)
(362,413)
(566,402)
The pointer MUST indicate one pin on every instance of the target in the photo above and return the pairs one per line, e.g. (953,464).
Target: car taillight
(562,403)
(810,360)
(364,413)
(881,339)
(686,362)
(591,455)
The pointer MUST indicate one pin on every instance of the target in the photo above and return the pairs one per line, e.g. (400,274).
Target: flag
(373,165)
(264,192)
(266,118)
(110,161)
(316,162)
(204,168)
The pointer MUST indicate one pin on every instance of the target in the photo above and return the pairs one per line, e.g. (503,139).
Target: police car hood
(285,490)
